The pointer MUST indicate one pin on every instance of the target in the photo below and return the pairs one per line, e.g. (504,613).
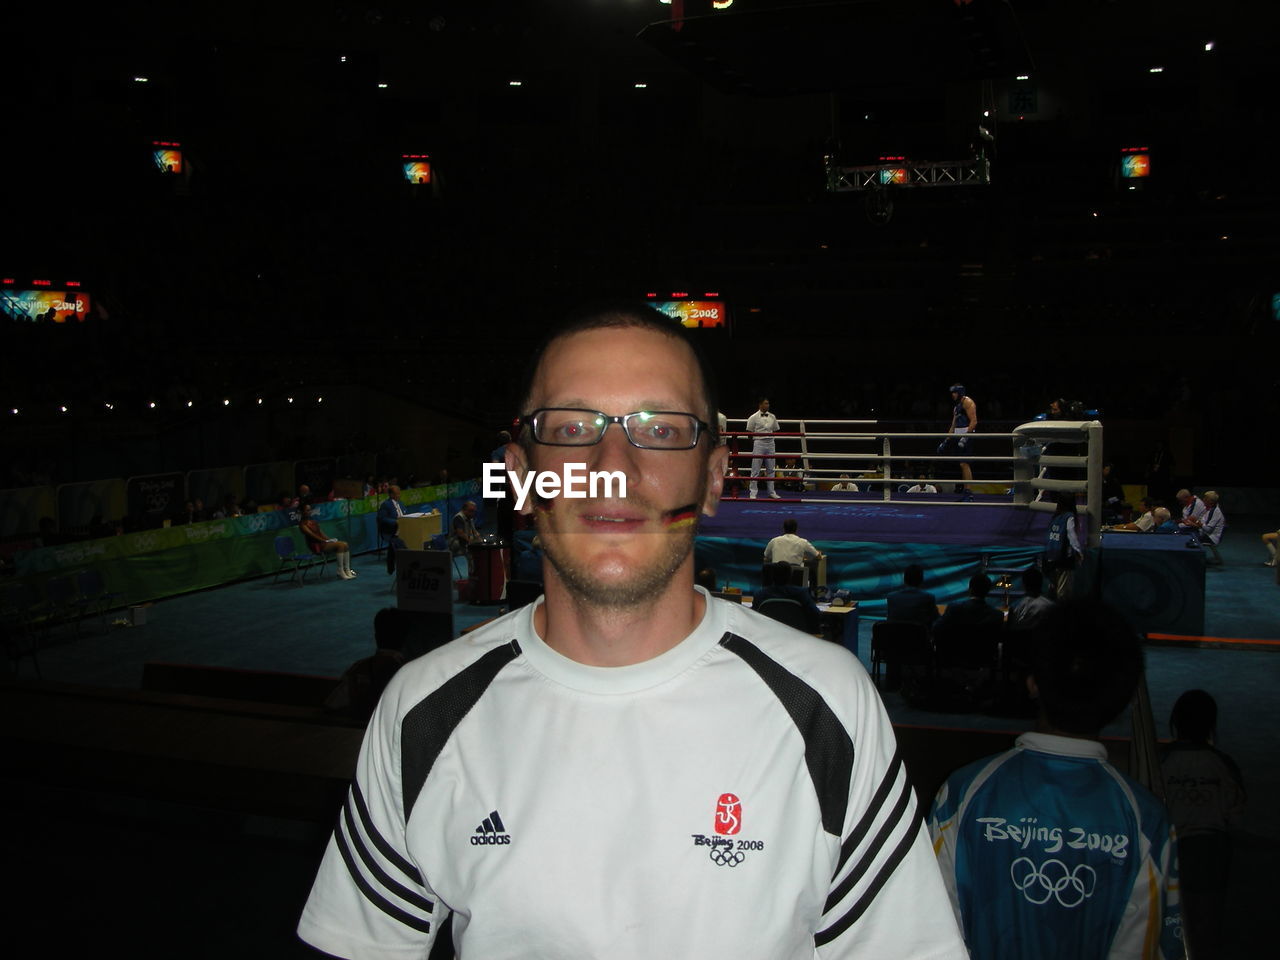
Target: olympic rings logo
(1053,878)
(724,857)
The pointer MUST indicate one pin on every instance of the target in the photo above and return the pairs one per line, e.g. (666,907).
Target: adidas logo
(491,831)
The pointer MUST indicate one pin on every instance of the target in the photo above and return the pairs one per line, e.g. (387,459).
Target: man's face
(955,395)
(1184,498)
(469,510)
(617,552)
(764,406)
(1054,408)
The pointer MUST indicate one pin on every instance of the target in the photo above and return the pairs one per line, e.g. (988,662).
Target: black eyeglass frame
(530,420)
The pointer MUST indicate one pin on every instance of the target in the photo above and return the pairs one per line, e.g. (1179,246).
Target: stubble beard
(641,588)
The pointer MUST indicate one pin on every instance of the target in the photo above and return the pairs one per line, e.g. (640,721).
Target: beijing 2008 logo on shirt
(727,849)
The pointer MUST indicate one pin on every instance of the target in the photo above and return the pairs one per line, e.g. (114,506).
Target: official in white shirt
(790,548)
(763,425)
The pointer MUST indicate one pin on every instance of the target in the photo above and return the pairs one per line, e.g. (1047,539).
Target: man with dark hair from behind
(1047,850)
(791,547)
(972,611)
(910,602)
(1030,610)
(1205,795)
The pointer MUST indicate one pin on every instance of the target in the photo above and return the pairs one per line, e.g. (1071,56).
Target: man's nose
(616,452)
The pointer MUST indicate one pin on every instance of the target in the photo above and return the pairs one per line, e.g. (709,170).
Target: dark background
(293,258)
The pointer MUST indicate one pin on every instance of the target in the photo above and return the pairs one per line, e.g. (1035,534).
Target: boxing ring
(998,523)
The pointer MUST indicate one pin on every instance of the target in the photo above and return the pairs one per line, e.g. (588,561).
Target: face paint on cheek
(680,517)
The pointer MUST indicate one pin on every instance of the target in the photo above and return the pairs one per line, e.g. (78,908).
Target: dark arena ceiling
(639,150)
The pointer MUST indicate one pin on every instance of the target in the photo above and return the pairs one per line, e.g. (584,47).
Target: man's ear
(716,465)
(517,463)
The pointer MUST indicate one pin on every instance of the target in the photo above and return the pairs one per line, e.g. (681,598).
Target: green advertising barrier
(153,564)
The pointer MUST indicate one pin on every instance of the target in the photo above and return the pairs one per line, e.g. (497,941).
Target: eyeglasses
(647,429)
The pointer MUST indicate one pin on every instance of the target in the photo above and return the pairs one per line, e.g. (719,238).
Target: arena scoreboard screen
(167,155)
(695,311)
(1135,163)
(417,167)
(39,302)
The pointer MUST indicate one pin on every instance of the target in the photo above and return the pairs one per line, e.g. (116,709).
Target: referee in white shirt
(763,425)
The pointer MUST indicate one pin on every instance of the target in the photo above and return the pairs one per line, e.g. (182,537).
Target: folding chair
(784,610)
(290,559)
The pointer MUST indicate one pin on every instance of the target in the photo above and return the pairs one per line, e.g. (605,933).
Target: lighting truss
(940,173)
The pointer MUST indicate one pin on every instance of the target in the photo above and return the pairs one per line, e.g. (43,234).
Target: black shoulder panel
(828,749)
(429,725)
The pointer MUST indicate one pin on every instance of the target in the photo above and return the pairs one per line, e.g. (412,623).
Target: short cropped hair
(1086,661)
(621,316)
(913,576)
(1033,580)
(789,525)
(979,585)
(1195,715)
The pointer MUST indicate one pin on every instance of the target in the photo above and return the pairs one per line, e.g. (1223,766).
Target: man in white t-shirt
(1145,522)
(1193,508)
(790,547)
(630,768)
(763,425)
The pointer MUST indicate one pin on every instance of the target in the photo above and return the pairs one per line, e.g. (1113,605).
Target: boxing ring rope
(1049,456)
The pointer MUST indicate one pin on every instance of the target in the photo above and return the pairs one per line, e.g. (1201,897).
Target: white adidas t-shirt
(739,796)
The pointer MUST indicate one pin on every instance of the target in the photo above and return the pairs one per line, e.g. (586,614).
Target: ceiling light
(1208,47)
(1156,70)
(515,83)
(1024,76)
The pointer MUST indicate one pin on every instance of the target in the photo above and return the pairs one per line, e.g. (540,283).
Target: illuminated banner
(1133,165)
(693,313)
(47,305)
(417,171)
(168,160)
